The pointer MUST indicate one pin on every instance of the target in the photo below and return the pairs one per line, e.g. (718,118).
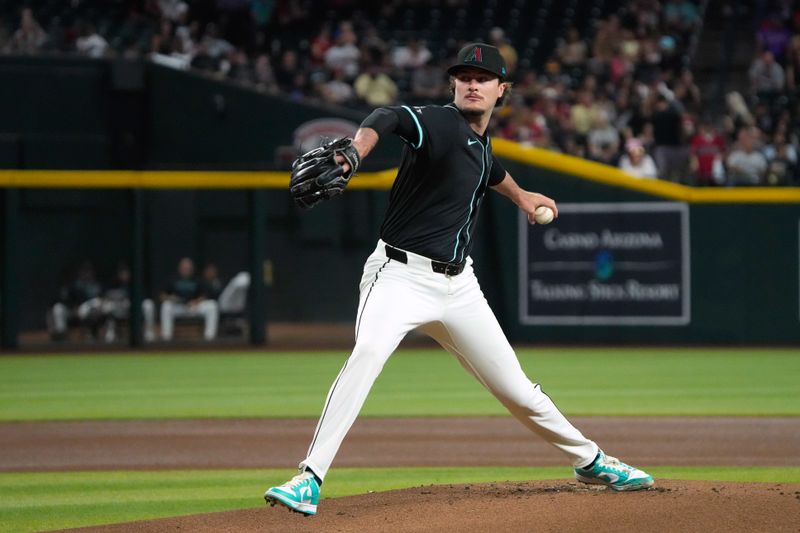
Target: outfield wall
(733,265)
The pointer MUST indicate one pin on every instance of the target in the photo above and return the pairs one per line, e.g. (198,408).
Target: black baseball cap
(480,55)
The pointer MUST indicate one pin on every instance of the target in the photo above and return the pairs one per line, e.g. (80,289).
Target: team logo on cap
(474,56)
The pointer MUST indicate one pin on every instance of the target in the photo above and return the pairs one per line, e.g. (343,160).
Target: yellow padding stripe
(608,175)
(162,179)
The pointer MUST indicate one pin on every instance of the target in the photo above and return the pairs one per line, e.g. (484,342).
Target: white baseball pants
(208,309)
(397,298)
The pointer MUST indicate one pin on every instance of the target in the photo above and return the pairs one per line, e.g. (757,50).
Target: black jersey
(444,173)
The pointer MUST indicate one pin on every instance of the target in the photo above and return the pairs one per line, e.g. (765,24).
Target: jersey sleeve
(429,127)
(497,174)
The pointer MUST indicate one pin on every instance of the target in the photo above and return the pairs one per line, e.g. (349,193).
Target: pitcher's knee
(521,394)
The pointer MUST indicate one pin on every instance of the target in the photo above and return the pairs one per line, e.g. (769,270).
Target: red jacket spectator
(706,147)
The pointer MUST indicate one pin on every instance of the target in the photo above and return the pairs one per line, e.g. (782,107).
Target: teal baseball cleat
(301,494)
(610,471)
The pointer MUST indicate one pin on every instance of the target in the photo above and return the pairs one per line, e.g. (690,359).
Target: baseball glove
(317,176)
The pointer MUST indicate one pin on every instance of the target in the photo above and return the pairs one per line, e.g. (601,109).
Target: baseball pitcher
(420,275)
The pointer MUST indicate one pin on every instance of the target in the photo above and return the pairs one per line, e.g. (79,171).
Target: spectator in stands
(411,56)
(763,117)
(646,16)
(239,68)
(184,297)
(629,47)
(287,69)
(212,284)
(427,83)
(781,161)
(583,113)
(188,33)
(320,45)
(116,304)
(344,55)
(30,38)
(90,43)
(774,37)
(573,51)
(497,38)
(299,89)
(202,60)
(374,87)
(687,92)
(738,112)
(173,9)
(671,155)
(746,165)
(767,77)
(336,90)
(780,169)
(636,161)
(620,67)
(605,42)
(80,300)
(707,151)
(263,75)
(681,15)
(216,46)
(603,140)
(372,43)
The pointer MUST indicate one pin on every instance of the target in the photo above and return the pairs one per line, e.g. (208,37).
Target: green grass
(413,383)
(46,501)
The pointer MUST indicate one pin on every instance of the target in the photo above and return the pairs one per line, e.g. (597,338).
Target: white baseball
(543,215)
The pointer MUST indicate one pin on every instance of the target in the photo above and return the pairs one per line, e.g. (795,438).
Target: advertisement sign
(623,264)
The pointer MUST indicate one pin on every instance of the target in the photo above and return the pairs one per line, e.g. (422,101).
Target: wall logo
(604,265)
(607,264)
(314,133)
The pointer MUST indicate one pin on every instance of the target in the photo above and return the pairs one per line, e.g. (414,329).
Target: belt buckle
(453,270)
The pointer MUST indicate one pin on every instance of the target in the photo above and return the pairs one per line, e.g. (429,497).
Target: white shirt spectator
(217,46)
(645,169)
(411,56)
(637,162)
(173,9)
(766,75)
(343,57)
(337,91)
(93,45)
(746,168)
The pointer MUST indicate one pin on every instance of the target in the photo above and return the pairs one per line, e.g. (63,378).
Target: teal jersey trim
(419,127)
(486,163)
(471,202)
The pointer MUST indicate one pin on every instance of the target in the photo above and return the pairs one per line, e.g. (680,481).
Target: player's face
(476,91)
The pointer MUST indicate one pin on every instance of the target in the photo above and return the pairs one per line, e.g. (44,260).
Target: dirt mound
(526,506)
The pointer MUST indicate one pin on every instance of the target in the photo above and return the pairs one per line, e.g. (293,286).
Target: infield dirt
(468,441)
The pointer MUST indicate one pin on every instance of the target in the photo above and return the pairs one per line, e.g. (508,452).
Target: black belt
(448,269)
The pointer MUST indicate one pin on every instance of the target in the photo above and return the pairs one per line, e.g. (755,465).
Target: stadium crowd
(619,93)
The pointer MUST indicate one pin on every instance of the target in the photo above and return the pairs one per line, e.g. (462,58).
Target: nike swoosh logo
(471,141)
(611,478)
(305,494)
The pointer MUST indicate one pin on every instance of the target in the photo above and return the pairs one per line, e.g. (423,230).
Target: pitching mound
(527,506)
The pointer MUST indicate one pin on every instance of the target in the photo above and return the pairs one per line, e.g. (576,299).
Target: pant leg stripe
(335,383)
(363,307)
